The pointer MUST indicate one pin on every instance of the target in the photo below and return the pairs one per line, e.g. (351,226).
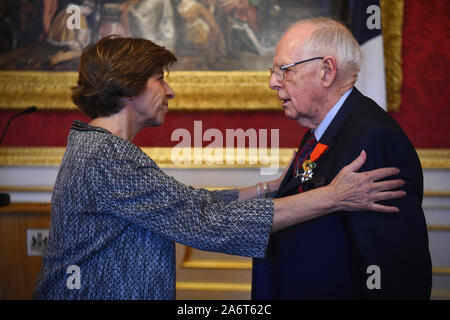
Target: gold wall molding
(194,90)
(392,26)
(246,287)
(52,156)
(213,286)
(436,194)
(240,157)
(440,294)
(441,270)
(442,228)
(34,189)
(31,156)
(216,264)
(189,263)
(434,158)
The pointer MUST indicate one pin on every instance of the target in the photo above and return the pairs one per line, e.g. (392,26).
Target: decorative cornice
(31,156)
(52,156)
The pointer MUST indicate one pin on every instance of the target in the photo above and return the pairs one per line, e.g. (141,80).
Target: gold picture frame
(194,90)
(199,90)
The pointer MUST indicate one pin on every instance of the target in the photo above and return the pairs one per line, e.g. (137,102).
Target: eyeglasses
(279,73)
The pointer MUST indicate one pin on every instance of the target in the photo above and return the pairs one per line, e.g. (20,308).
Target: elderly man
(345,255)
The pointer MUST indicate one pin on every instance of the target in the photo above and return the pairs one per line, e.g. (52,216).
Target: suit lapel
(336,125)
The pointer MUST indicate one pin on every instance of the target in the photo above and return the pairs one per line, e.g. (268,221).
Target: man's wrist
(331,200)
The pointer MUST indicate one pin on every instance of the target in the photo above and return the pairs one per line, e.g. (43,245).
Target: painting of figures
(49,35)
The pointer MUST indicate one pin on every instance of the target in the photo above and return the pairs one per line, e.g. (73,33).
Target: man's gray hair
(330,37)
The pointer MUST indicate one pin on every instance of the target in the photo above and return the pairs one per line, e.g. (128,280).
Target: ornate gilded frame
(392,22)
(195,90)
(199,90)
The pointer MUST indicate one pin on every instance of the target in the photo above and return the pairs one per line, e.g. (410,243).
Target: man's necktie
(308,144)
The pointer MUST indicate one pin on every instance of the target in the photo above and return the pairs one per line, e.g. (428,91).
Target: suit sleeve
(395,242)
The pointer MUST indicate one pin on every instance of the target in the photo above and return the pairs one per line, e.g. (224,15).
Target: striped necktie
(308,144)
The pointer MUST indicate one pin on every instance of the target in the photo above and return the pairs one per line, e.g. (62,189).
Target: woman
(116,216)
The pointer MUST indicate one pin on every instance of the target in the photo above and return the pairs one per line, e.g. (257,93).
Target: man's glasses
(279,71)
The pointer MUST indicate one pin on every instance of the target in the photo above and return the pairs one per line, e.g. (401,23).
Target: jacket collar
(82,126)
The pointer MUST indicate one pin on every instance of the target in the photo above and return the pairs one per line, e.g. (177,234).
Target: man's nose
(274,84)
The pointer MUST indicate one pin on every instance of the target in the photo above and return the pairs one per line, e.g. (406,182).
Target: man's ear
(328,71)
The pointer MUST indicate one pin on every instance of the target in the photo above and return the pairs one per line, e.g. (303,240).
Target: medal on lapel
(310,164)
(308,167)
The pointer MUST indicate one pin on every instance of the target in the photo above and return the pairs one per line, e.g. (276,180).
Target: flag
(366,27)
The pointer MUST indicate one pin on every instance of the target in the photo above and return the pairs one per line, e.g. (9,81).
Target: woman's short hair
(332,37)
(114,68)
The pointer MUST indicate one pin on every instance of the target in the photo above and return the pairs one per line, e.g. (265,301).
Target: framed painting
(224,47)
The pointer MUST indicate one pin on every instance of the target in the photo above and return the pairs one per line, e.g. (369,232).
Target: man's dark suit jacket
(327,258)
